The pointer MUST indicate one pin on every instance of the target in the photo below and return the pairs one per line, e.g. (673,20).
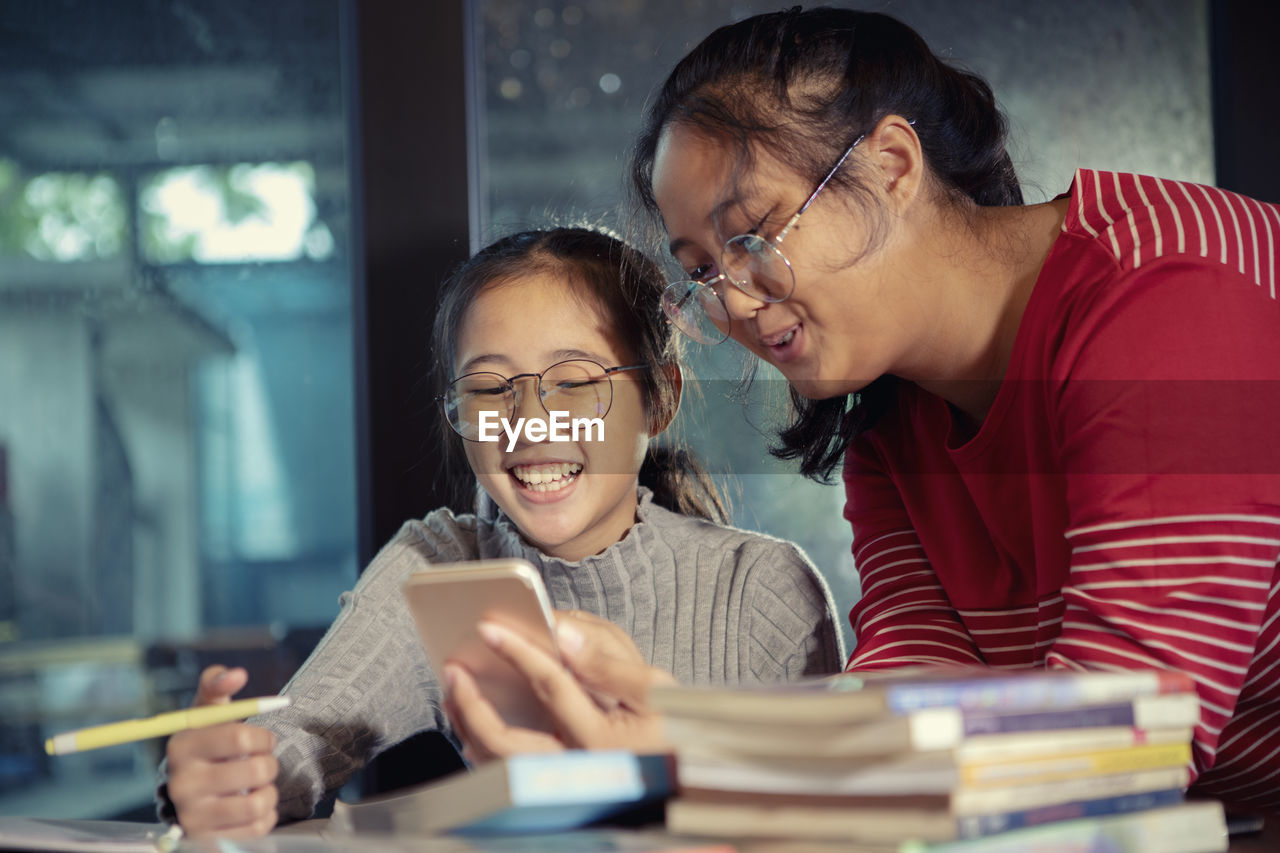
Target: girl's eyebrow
(471,363)
(565,354)
(498,360)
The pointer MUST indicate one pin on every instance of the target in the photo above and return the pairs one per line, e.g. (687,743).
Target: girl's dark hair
(627,286)
(802,85)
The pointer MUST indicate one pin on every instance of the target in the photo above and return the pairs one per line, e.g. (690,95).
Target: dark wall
(410,163)
(1246,96)
(411,228)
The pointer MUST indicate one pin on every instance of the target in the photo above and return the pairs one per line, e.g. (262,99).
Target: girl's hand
(222,778)
(598,702)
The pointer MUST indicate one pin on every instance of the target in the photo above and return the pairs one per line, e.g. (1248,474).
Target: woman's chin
(814,388)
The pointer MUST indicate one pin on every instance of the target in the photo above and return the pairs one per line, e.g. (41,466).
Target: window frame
(413,195)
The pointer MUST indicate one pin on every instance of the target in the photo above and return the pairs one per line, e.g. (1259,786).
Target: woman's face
(571,499)
(834,334)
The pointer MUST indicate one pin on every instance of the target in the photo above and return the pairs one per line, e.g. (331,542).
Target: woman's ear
(663,415)
(895,149)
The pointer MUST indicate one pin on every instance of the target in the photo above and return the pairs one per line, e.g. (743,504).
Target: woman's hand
(597,702)
(222,778)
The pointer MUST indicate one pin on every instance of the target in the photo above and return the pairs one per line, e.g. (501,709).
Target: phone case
(447,601)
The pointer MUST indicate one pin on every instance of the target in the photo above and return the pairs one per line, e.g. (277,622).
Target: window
(177,460)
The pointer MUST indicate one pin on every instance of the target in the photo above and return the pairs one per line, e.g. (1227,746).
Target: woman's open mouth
(783,346)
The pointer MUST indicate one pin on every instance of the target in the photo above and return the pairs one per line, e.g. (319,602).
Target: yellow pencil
(161,725)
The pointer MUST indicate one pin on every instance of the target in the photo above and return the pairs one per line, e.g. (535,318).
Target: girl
(1055,421)
(619,529)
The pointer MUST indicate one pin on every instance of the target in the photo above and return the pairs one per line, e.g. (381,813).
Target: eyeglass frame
(443,399)
(774,243)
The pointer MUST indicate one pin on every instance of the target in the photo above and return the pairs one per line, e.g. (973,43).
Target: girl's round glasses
(579,387)
(751,263)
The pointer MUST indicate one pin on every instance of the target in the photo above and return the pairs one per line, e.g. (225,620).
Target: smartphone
(448,600)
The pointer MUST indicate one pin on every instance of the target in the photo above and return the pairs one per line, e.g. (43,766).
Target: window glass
(245,212)
(177,428)
(563,84)
(60,216)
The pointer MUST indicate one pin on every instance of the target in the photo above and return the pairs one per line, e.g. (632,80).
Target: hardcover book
(786,820)
(940,728)
(850,697)
(1190,827)
(536,792)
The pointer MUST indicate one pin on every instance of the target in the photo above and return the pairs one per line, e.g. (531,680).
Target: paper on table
(79,836)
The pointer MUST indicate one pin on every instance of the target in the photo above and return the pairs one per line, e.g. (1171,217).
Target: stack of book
(940,756)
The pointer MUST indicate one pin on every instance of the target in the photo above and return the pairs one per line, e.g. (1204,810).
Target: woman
(1054,420)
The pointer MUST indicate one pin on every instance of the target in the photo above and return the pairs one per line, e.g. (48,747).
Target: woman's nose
(739,304)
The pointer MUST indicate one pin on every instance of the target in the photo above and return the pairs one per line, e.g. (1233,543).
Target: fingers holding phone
(605,660)
(484,733)
(488,628)
(581,720)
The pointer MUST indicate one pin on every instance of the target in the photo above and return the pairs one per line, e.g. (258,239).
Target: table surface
(1266,841)
(312,837)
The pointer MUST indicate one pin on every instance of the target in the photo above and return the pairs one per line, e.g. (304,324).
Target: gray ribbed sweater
(710,604)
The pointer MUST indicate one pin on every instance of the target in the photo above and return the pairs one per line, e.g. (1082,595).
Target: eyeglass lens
(582,389)
(696,310)
(758,267)
(754,265)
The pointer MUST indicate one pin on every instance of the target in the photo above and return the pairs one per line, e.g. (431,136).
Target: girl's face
(571,499)
(835,333)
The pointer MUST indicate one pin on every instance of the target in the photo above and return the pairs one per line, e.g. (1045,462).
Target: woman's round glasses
(578,387)
(753,264)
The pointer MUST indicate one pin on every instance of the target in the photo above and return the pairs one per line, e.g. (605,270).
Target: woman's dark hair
(627,286)
(802,85)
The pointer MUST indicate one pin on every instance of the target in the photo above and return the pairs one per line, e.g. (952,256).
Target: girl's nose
(527,403)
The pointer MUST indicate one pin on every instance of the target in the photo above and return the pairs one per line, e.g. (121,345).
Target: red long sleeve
(1120,507)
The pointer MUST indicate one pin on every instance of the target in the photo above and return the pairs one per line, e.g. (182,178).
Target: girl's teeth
(546,478)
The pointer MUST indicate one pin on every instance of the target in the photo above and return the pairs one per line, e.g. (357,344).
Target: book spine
(978,801)
(1187,827)
(1028,691)
(577,776)
(1075,765)
(989,749)
(1164,711)
(978,826)
(992,722)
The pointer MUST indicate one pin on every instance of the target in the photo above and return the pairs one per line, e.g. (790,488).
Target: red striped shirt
(1120,506)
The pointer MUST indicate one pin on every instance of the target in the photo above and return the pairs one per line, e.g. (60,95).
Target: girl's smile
(545,482)
(550,478)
